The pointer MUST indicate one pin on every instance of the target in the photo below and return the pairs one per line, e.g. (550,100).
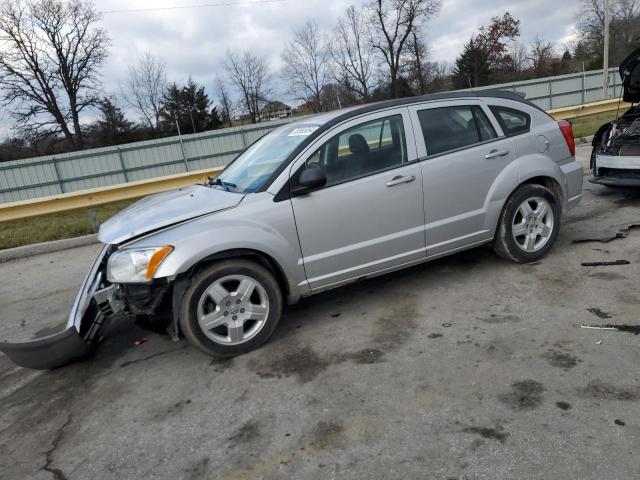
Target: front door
(369,216)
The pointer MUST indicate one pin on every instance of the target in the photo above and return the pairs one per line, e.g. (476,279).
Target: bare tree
(625,27)
(438,76)
(485,56)
(250,75)
(541,56)
(392,24)
(49,58)
(418,53)
(225,101)
(306,60)
(519,57)
(145,86)
(352,56)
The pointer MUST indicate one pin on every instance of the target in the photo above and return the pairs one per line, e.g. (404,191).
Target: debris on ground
(619,230)
(599,312)
(605,264)
(140,341)
(446,325)
(635,329)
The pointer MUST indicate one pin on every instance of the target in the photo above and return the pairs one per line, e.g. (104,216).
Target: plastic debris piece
(599,342)
(140,341)
(605,264)
(635,329)
(446,325)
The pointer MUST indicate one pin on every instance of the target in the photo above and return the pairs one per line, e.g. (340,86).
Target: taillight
(567,133)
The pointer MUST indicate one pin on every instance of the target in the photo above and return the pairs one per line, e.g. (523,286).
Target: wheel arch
(546,181)
(256,256)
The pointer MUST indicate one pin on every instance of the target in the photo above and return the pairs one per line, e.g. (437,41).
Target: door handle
(496,153)
(399,179)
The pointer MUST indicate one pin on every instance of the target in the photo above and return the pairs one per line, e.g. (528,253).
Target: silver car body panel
(362,228)
(258,224)
(164,209)
(363,225)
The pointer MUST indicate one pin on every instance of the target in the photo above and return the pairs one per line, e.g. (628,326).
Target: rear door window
(512,121)
(451,128)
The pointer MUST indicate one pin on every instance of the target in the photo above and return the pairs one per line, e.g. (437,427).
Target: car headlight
(136,265)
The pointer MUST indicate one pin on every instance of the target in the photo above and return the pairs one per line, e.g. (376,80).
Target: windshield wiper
(223,184)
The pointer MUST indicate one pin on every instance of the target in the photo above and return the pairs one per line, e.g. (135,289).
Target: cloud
(194,41)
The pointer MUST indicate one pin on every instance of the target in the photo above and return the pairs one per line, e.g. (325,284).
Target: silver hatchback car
(322,202)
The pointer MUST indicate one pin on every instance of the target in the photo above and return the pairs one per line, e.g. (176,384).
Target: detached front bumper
(616,171)
(82,330)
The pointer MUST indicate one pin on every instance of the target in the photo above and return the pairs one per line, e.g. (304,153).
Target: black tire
(504,244)
(207,277)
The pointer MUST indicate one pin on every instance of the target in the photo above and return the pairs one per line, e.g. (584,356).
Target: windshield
(256,164)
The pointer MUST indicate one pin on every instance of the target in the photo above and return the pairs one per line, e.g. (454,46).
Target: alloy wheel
(233,309)
(533,224)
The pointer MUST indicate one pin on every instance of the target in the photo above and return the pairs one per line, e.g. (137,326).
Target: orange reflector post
(156,260)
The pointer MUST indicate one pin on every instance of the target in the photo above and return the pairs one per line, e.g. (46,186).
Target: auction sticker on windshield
(302,131)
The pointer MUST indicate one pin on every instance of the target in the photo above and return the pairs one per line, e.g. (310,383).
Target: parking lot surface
(467,367)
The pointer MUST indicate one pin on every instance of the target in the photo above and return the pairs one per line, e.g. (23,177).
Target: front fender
(264,226)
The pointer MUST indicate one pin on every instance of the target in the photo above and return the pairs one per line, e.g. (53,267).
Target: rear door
(369,216)
(462,151)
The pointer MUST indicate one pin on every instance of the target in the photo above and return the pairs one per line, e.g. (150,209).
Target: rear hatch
(630,75)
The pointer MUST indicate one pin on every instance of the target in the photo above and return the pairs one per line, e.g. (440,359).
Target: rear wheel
(231,308)
(528,225)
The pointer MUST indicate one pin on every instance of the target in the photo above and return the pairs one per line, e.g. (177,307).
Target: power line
(184,7)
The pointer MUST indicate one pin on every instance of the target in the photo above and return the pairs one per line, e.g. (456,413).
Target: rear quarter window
(512,121)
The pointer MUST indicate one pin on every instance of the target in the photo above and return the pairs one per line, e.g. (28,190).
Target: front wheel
(528,225)
(231,308)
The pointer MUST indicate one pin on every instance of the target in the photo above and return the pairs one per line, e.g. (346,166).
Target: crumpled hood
(164,209)
(630,75)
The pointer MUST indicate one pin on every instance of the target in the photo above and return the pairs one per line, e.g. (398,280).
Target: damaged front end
(93,305)
(97,302)
(616,156)
(615,159)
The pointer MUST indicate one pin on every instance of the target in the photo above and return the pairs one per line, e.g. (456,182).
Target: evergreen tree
(111,128)
(189,107)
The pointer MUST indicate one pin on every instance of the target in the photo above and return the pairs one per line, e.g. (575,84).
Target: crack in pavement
(48,466)
(149,357)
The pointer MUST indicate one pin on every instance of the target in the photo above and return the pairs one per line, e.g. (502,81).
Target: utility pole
(605,56)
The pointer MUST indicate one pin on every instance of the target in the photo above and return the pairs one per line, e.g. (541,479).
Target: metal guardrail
(99,196)
(588,109)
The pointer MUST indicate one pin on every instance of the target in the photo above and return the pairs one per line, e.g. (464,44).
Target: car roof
(337,116)
(327,120)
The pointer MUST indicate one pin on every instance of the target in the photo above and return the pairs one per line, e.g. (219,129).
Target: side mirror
(310,179)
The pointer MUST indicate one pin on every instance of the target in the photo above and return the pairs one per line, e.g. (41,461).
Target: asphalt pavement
(464,368)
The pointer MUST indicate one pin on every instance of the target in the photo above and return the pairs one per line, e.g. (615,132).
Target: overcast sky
(194,40)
